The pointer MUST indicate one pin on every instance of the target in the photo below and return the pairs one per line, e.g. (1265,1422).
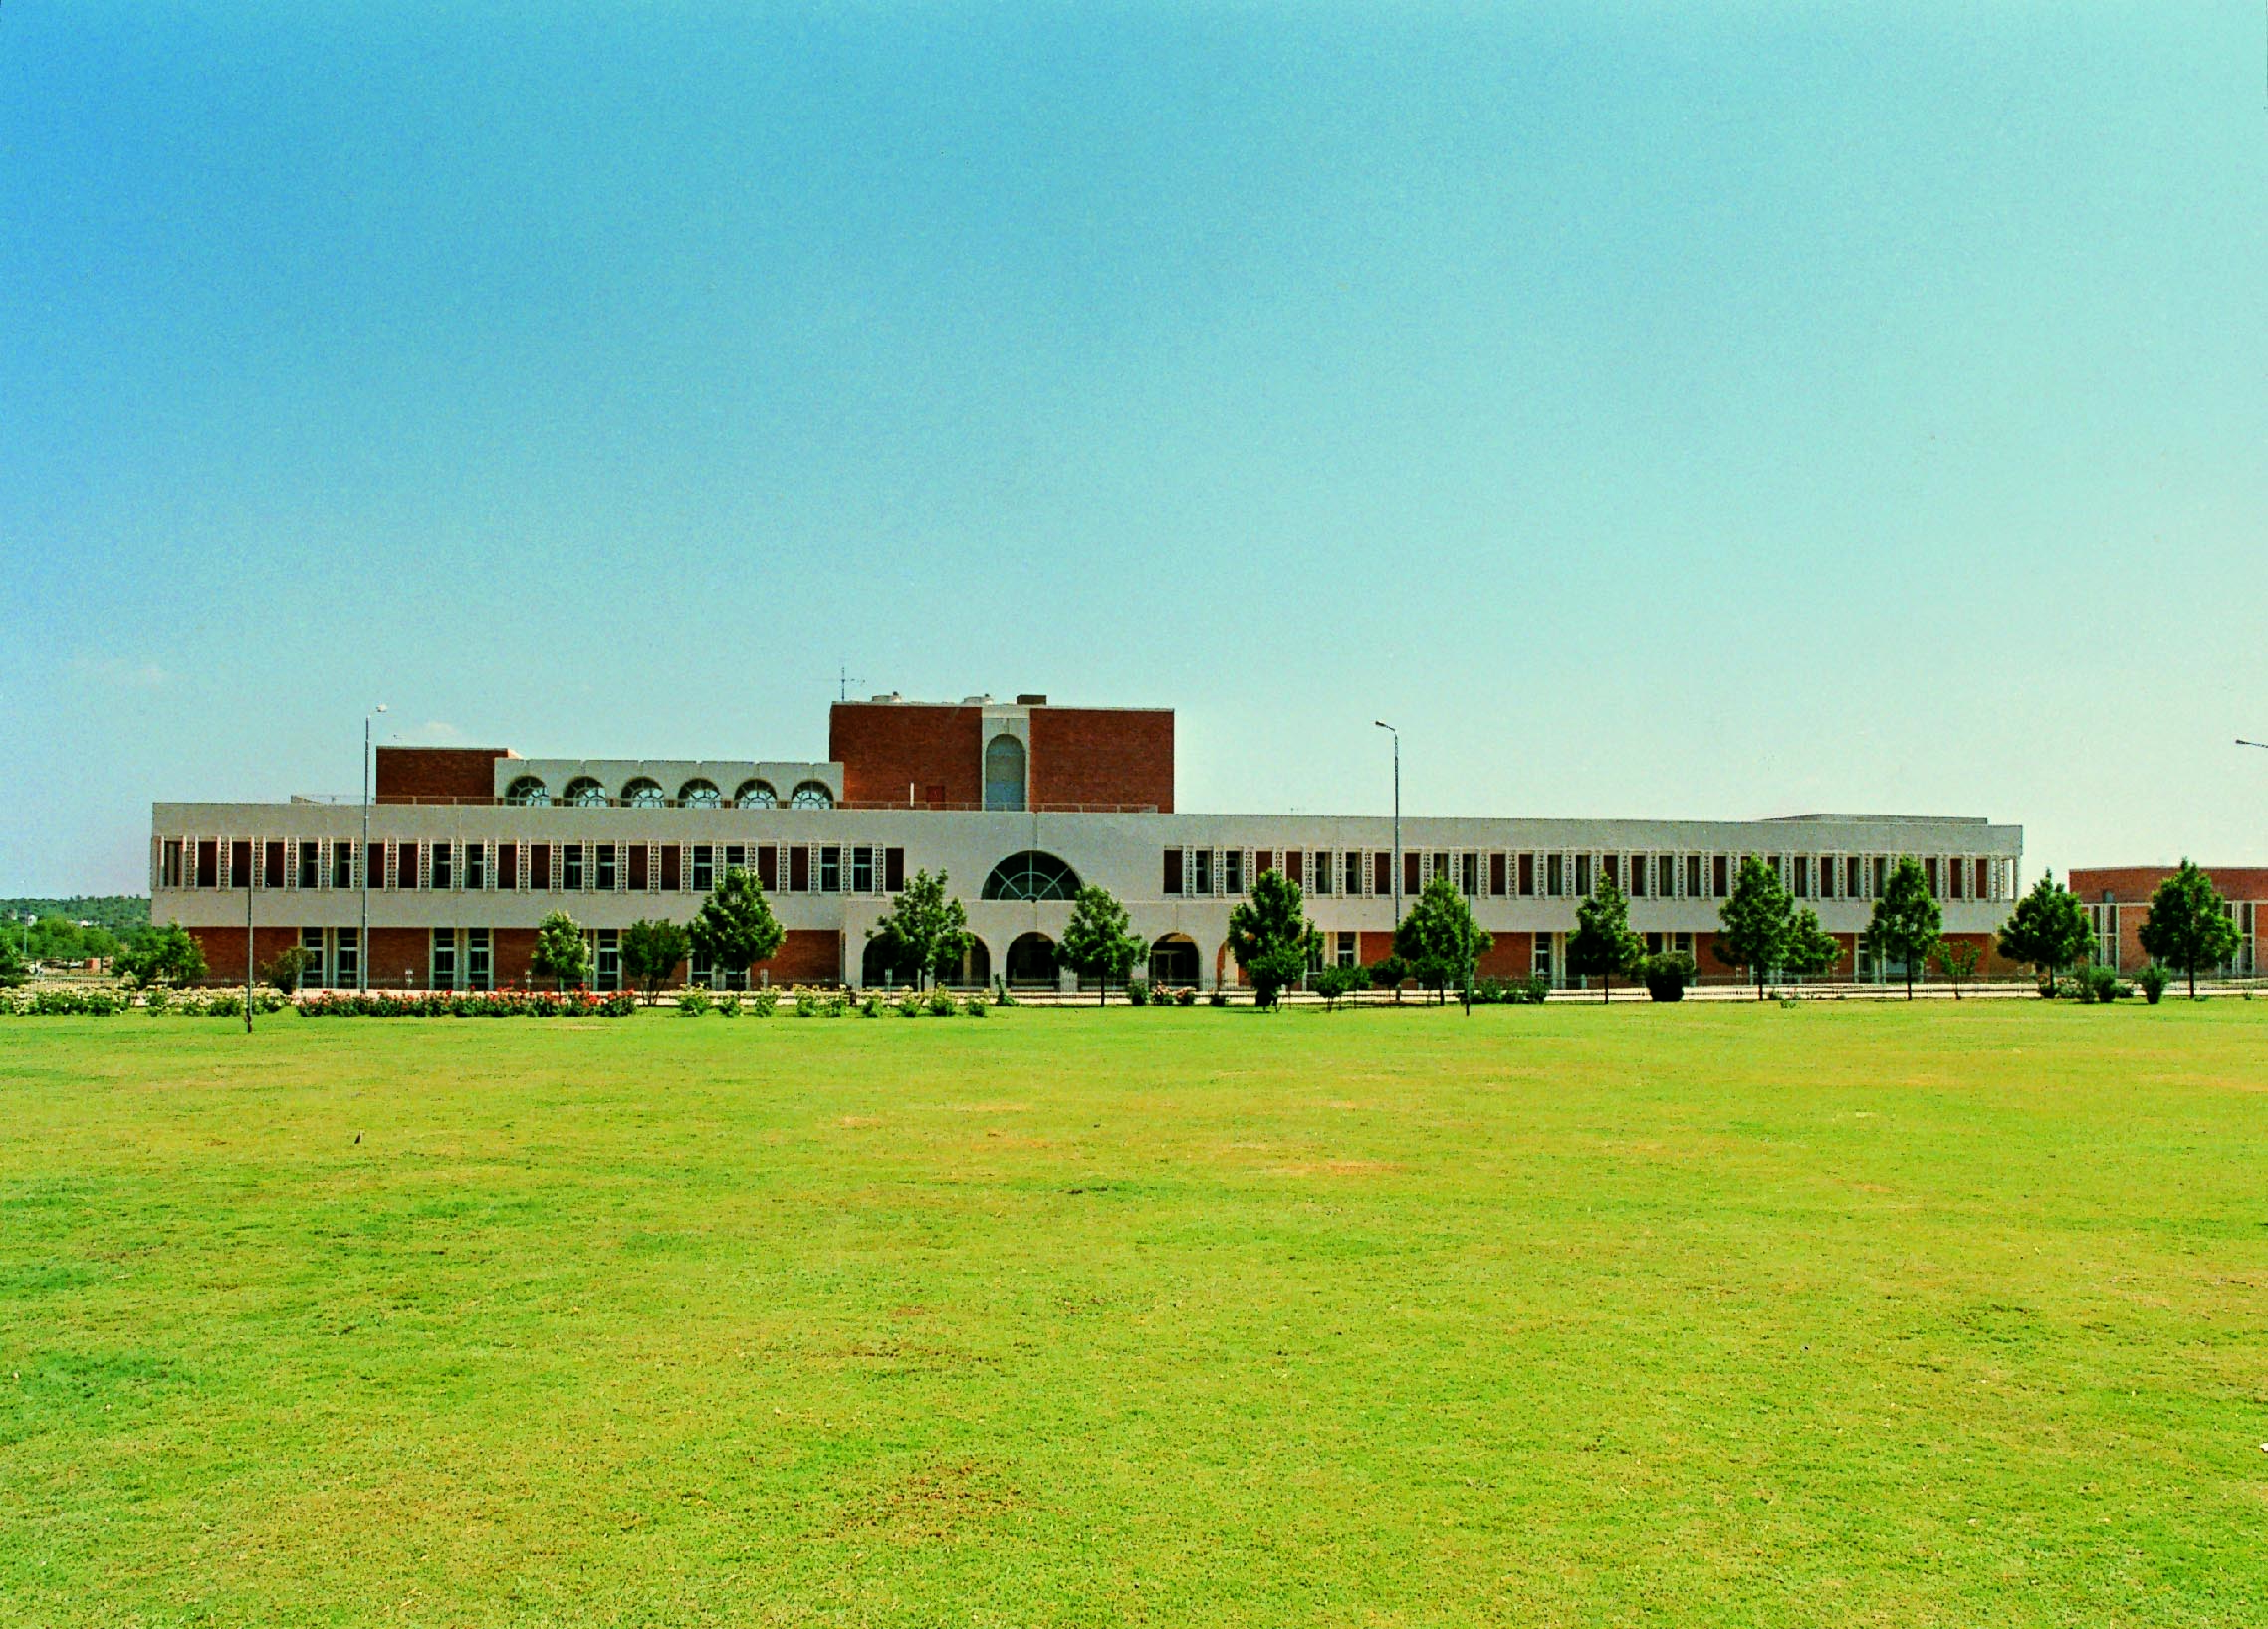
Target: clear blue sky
(1662,410)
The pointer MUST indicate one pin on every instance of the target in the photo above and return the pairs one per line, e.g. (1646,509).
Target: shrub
(807,1003)
(2154,980)
(835,1004)
(1138,991)
(1186,996)
(728,1004)
(871,1006)
(158,999)
(764,1000)
(1217,997)
(226,1004)
(693,1001)
(1003,996)
(1668,974)
(976,1005)
(908,1006)
(942,1003)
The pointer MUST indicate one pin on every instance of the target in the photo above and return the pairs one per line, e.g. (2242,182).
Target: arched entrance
(975,967)
(874,969)
(1174,960)
(1031,960)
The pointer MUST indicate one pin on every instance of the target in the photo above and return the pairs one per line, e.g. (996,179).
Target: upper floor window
(528,788)
(811,795)
(643,792)
(585,791)
(755,794)
(1032,875)
(700,795)
(1004,772)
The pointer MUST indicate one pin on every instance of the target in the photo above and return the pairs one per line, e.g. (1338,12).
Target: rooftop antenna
(842,687)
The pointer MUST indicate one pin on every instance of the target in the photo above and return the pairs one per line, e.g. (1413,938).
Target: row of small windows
(1201,871)
(474,868)
(589,791)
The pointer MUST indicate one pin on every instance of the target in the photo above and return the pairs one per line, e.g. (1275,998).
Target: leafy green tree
(1602,944)
(162,955)
(1754,924)
(1334,982)
(286,968)
(735,928)
(2049,930)
(1957,959)
(562,953)
(2190,926)
(925,932)
(1271,936)
(1906,919)
(1810,948)
(1389,972)
(650,953)
(1098,942)
(1439,940)
(13,972)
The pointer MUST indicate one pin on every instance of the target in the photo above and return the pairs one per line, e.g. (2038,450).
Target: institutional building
(2117,904)
(1018,803)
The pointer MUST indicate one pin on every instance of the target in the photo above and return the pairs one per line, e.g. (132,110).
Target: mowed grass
(1841,1314)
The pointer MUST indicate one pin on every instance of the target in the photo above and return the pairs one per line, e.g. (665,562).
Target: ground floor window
(1346,955)
(346,960)
(311,976)
(607,974)
(1545,969)
(479,965)
(444,959)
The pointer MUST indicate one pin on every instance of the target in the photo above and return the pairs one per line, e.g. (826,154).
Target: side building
(1018,803)
(2117,898)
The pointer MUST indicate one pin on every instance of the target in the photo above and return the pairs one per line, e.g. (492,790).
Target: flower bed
(468,1004)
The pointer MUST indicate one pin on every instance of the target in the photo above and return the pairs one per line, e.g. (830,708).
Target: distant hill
(121,914)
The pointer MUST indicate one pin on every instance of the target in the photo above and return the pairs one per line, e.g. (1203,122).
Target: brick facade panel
(1102,756)
(436,774)
(886,747)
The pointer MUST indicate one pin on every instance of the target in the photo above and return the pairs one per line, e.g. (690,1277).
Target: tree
(287,967)
(1271,936)
(650,953)
(562,953)
(926,931)
(1334,982)
(1810,949)
(1099,943)
(735,929)
(2189,925)
(1439,940)
(166,955)
(13,972)
(2049,930)
(1906,919)
(1957,959)
(1389,972)
(1602,943)
(1756,922)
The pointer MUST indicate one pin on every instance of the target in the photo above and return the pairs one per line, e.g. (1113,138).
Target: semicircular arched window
(755,794)
(584,791)
(643,792)
(1004,772)
(528,788)
(1032,875)
(700,795)
(811,795)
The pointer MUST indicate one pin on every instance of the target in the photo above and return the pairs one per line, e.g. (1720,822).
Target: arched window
(585,791)
(643,792)
(1004,772)
(755,794)
(1032,875)
(528,788)
(811,795)
(700,795)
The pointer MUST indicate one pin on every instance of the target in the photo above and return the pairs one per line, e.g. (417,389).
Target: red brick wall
(2134,885)
(1513,956)
(510,950)
(807,955)
(224,951)
(394,951)
(1083,755)
(885,746)
(408,773)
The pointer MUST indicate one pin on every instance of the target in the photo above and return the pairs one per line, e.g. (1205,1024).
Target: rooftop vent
(1030,701)
(975,701)
(890,696)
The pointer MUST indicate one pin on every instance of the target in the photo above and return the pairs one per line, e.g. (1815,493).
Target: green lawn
(1829,1314)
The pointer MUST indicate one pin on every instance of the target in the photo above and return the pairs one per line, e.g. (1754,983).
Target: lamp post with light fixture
(362,860)
(1397,735)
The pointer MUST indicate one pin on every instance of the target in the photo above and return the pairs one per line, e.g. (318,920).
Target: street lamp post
(1397,735)
(362,860)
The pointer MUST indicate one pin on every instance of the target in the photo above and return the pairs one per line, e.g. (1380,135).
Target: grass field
(1831,1315)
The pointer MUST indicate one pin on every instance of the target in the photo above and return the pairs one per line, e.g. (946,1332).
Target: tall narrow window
(1582,876)
(311,976)
(571,866)
(506,866)
(862,870)
(169,864)
(310,865)
(444,873)
(641,866)
(1172,883)
(1004,772)
(1638,869)
(672,868)
(610,872)
(798,869)
(1232,863)
(1205,871)
(478,967)
(830,869)
(444,975)
(476,866)
(893,870)
(1351,873)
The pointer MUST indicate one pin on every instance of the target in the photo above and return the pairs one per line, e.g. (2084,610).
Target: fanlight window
(528,788)
(1032,875)
(755,794)
(585,791)
(643,793)
(811,795)
(1004,772)
(700,795)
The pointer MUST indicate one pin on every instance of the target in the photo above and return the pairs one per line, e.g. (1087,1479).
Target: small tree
(1438,941)
(1098,942)
(1389,972)
(1810,949)
(735,928)
(1271,936)
(287,967)
(925,931)
(1957,959)
(2189,925)
(1602,943)
(2049,930)
(162,955)
(1334,984)
(562,953)
(1754,924)
(13,972)
(1906,919)
(650,953)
